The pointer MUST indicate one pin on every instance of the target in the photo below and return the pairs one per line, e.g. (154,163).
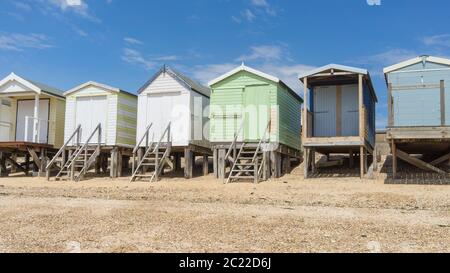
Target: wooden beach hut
(419,112)
(255,125)
(173,122)
(339,117)
(31,124)
(100,127)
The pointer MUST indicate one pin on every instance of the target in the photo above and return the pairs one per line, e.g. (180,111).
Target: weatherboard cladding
(417,96)
(121,115)
(229,93)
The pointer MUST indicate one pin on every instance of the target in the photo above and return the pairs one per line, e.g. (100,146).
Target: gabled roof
(343,72)
(96,84)
(416,60)
(185,80)
(35,86)
(261,74)
(336,68)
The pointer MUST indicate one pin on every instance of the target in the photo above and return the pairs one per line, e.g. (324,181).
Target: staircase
(250,162)
(155,157)
(80,160)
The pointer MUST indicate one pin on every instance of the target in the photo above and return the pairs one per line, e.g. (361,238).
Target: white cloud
(79,7)
(135,57)
(256,9)
(288,73)
(20,42)
(132,41)
(437,40)
(206,73)
(263,52)
(248,15)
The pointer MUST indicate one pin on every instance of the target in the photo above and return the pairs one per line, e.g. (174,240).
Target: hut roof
(96,84)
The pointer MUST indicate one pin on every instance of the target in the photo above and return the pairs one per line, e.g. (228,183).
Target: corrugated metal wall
(324,111)
(350,110)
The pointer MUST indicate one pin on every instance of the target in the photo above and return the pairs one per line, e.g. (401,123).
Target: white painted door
(25,108)
(163,109)
(350,112)
(324,111)
(90,112)
(5,120)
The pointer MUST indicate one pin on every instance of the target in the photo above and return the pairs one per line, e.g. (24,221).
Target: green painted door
(256,112)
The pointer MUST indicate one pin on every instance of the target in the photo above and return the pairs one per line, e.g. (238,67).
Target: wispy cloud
(437,40)
(255,9)
(20,42)
(135,57)
(263,52)
(132,41)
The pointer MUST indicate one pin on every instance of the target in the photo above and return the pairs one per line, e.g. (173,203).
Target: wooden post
(361,161)
(98,164)
(390,106)
(305,108)
(394,160)
(104,160)
(205,165)
(215,166)
(276,164)
(42,163)
(375,160)
(3,170)
(27,164)
(119,162)
(188,163)
(221,164)
(443,118)
(313,162)
(352,160)
(114,162)
(266,167)
(13,167)
(306,163)
(361,107)
(256,173)
(366,154)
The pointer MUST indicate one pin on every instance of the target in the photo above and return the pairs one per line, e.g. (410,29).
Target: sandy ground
(203,215)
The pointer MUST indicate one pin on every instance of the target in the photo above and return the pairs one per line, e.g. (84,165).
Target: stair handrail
(236,136)
(63,148)
(86,144)
(144,137)
(262,140)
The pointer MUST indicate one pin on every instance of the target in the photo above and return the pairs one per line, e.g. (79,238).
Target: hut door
(350,112)
(90,112)
(256,112)
(5,120)
(325,111)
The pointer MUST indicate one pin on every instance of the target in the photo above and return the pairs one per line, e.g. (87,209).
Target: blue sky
(64,43)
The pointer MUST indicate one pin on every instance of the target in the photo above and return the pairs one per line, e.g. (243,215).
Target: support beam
(313,162)
(3,170)
(351,159)
(394,160)
(13,161)
(205,165)
(221,164)
(361,162)
(188,163)
(440,160)
(215,163)
(114,162)
(275,160)
(418,163)
(119,163)
(306,163)
(375,160)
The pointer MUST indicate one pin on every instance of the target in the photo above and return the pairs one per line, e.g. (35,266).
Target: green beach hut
(255,125)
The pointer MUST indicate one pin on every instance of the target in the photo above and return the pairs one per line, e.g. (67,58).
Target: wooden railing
(145,137)
(233,147)
(85,146)
(62,151)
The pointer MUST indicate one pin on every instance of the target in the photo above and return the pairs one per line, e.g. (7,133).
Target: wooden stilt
(266,166)
(375,160)
(177,162)
(13,167)
(119,163)
(27,164)
(275,161)
(188,163)
(221,164)
(205,165)
(114,162)
(3,170)
(352,160)
(394,160)
(361,162)
(306,163)
(365,161)
(215,163)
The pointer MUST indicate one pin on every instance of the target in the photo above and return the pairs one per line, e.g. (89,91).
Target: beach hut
(339,117)
(173,122)
(31,124)
(100,124)
(419,112)
(255,125)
